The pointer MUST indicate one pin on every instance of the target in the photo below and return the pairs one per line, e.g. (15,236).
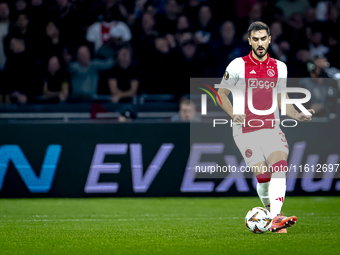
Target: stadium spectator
(205,26)
(269,12)
(296,21)
(323,10)
(143,6)
(310,16)
(23,29)
(324,90)
(4,26)
(108,32)
(284,50)
(150,7)
(225,49)
(297,31)
(279,47)
(334,48)
(139,8)
(276,30)
(37,3)
(166,23)
(191,10)
(183,24)
(157,23)
(84,74)
(20,5)
(52,44)
(187,112)
(315,45)
(298,67)
(275,14)
(156,79)
(123,81)
(255,14)
(291,6)
(112,9)
(22,23)
(143,41)
(120,35)
(334,14)
(40,12)
(70,22)
(147,27)
(21,74)
(190,64)
(56,84)
(243,7)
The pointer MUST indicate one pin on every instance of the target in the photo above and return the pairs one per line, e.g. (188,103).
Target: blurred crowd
(54,51)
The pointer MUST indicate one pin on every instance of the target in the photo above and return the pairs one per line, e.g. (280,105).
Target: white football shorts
(256,146)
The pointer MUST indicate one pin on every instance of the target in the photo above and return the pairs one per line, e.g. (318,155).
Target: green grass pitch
(163,226)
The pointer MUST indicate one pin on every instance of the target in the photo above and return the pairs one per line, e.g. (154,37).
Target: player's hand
(302,117)
(239,119)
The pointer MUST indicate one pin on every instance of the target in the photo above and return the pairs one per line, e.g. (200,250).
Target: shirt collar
(256,62)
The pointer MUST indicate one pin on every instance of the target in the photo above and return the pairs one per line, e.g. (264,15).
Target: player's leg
(275,150)
(277,188)
(250,149)
(277,191)
(276,153)
(263,177)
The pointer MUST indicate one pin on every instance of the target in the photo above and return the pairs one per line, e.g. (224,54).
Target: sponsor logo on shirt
(255,83)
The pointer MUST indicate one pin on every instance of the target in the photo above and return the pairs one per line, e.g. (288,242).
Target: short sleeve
(231,74)
(282,76)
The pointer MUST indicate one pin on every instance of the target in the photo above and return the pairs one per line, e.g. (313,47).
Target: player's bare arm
(227,106)
(293,113)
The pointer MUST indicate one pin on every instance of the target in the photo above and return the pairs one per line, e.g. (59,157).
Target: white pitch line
(132,219)
(146,219)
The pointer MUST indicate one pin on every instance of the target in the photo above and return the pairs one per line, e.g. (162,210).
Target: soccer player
(259,138)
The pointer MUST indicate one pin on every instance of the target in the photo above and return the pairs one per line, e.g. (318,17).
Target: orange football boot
(280,223)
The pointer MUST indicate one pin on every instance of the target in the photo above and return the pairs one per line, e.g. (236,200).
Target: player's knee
(280,166)
(264,177)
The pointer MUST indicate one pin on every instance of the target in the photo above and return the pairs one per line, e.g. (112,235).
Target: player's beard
(260,55)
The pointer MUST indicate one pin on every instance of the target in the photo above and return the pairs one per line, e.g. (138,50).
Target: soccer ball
(258,220)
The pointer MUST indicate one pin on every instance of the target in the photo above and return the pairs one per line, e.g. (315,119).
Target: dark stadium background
(53,94)
(100,117)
